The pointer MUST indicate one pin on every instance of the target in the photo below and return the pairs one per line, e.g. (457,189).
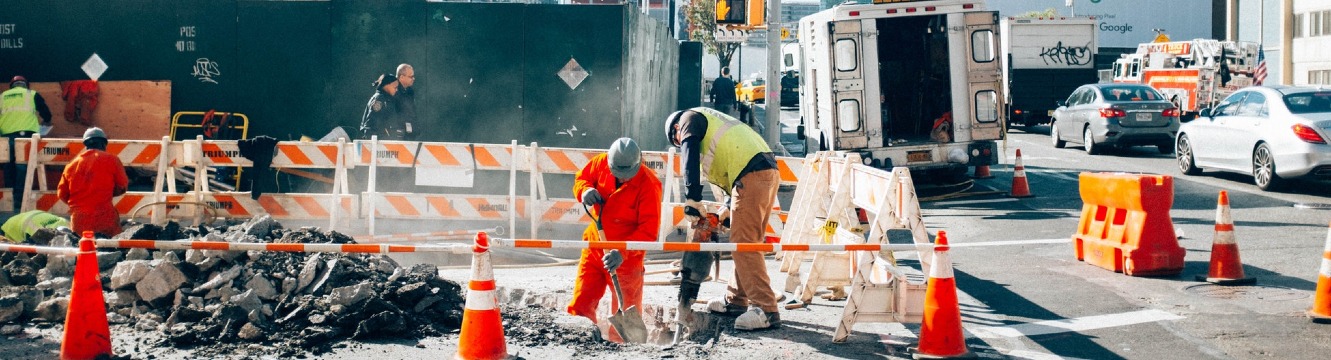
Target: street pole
(773,87)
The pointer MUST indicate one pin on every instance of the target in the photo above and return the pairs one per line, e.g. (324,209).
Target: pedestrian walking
(737,160)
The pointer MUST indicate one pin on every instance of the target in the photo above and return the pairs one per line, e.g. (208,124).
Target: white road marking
(1075,325)
(1012,242)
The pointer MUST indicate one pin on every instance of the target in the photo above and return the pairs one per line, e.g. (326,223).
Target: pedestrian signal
(750,13)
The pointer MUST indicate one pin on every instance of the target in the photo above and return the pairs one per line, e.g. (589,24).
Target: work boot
(721,306)
(757,319)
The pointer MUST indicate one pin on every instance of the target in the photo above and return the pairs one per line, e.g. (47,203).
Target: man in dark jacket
(723,92)
(406,99)
(381,113)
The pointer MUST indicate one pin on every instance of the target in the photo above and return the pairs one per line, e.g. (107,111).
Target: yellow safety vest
(727,147)
(18,111)
(18,227)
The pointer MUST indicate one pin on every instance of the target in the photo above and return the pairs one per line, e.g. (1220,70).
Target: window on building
(1298,26)
(1315,23)
(1319,77)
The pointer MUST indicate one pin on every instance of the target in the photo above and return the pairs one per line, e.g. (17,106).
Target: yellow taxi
(751,90)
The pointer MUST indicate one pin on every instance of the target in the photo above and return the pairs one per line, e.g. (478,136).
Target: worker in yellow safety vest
(22,226)
(737,160)
(23,112)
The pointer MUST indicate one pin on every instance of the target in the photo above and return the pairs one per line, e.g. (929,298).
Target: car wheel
(1053,134)
(1264,169)
(1088,142)
(1183,153)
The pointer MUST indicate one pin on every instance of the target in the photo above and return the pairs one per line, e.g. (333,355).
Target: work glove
(591,197)
(693,210)
(612,260)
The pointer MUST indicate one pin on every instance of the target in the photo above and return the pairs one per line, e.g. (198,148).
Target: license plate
(1143,116)
(918,156)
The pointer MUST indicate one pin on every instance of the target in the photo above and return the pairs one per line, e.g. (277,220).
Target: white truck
(914,84)
(1045,59)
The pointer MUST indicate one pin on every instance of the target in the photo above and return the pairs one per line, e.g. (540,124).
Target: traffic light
(749,13)
(730,12)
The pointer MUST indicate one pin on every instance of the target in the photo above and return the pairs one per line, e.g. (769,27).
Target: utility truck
(1045,59)
(1194,74)
(915,84)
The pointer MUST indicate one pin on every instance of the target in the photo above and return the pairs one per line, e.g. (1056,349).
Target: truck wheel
(1053,134)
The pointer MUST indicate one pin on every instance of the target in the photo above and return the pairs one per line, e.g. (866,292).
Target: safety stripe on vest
(710,152)
(28,103)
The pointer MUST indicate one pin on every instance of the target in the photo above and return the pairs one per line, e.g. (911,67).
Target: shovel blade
(630,326)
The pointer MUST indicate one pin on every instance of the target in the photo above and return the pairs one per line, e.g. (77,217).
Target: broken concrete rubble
(129,273)
(163,280)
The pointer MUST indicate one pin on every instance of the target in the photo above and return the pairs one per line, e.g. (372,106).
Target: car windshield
(756,82)
(1309,102)
(1130,93)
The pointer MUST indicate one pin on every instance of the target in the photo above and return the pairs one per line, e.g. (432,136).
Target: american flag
(1259,75)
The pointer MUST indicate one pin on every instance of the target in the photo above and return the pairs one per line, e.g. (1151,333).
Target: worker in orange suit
(88,184)
(626,197)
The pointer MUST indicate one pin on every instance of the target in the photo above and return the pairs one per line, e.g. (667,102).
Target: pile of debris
(202,299)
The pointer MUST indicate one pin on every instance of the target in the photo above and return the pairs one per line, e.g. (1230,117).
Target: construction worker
(88,184)
(626,199)
(738,161)
(22,113)
(19,227)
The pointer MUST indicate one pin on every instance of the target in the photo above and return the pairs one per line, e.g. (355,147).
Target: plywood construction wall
(126,110)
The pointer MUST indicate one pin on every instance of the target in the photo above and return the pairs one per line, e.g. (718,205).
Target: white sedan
(1271,132)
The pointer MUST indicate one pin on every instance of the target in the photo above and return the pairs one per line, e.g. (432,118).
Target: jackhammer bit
(693,271)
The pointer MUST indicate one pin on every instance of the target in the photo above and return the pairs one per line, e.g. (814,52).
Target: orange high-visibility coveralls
(631,212)
(87,185)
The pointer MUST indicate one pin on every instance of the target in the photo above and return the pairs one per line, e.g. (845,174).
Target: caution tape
(451,234)
(697,247)
(38,249)
(282,247)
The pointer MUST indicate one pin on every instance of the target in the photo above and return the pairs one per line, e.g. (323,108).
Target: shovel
(627,321)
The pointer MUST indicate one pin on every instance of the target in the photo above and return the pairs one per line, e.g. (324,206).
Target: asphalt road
(1070,309)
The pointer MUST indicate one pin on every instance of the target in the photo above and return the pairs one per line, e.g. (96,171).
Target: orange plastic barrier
(1125,224)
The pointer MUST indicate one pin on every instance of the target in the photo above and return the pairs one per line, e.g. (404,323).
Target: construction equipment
(693,270)
(627,321)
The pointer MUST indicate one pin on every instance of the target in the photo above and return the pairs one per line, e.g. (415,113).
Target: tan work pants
(752,196)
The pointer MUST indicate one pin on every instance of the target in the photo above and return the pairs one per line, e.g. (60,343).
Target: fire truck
(1194,74)
(915,84)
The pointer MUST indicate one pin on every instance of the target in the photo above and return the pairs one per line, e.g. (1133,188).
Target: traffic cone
(982,172)
(1020,189)
(1226,268)
(941,336)
(1321,310)
(482,329)
(87,334)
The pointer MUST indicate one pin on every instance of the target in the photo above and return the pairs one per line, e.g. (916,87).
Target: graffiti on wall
(206,70)
(186,42)
(1067,55)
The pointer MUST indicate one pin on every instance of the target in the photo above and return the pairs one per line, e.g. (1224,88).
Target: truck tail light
(1308,134)
(1112,113)
(1170,112)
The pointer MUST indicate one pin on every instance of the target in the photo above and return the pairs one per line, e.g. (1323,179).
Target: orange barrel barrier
(1125,224)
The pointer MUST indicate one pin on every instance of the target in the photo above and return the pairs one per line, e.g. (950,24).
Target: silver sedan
(1273,133)
(1102,115)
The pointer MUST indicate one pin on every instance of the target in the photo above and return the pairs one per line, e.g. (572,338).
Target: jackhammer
(693,271)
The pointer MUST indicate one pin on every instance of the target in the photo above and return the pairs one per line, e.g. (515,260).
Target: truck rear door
(982,74)
(852,43)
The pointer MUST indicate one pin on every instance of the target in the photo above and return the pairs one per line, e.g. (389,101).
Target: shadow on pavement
(1003,301)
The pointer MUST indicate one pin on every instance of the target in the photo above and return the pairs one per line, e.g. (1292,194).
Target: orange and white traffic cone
(1020,188)
(1226,268)
(1321,310)
(87,334)
(982,172)
(941,336)
(482,334)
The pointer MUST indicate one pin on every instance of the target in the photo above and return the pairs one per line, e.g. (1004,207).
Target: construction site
(266,215)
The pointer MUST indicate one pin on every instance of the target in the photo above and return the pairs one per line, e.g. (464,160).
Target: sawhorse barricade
(880,291)
(455,159)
